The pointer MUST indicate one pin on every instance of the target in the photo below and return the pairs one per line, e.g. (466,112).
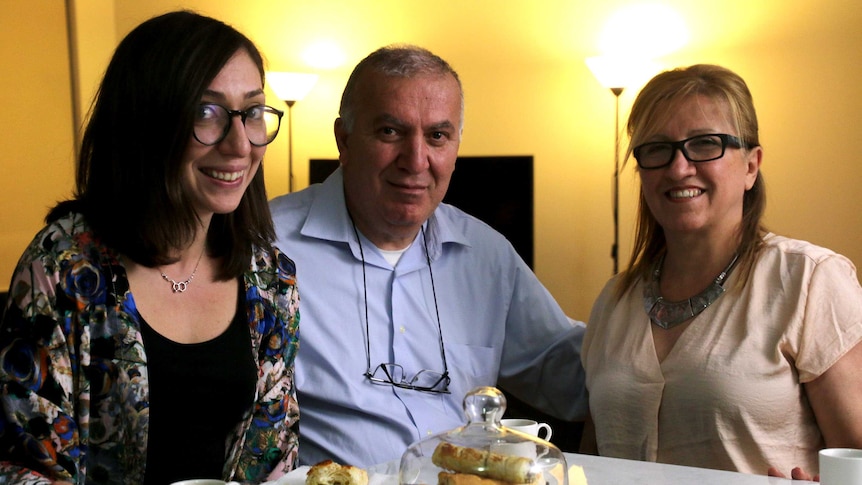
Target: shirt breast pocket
(471,366)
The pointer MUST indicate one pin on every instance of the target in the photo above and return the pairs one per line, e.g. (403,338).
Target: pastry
(511,469)
(445,478)
(330,473)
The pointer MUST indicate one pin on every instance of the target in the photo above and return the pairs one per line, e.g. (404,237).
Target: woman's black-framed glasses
(700,148)
(425,380)
(213,121)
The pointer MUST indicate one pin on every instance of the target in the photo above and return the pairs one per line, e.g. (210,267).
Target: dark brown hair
(128,182)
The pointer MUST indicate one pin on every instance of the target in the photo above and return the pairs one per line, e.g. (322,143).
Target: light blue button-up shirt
(500,327)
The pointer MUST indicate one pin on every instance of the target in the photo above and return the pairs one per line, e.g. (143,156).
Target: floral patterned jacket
(74,399)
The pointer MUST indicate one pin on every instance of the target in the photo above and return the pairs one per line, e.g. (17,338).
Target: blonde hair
(653,107)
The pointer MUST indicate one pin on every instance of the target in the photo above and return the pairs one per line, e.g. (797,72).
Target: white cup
(525,449)
(528,426)
(840,466)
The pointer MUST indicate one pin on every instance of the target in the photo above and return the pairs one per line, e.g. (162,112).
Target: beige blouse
(729,395)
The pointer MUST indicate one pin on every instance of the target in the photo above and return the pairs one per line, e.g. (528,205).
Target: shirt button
(429,432)
(402,329)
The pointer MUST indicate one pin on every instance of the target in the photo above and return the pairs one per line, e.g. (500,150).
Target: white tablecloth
(599,470)
(596,470)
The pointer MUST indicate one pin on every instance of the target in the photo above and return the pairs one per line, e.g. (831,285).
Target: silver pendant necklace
(182,286)
(669,314)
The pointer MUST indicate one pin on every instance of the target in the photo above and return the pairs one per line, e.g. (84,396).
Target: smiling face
(216,177)
(400,155)
(700,198)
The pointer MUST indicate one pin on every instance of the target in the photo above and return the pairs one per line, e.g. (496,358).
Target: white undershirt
(392,256)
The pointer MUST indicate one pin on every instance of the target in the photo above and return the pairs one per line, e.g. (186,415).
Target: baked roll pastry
(510,469)
(330,473)
(445,478)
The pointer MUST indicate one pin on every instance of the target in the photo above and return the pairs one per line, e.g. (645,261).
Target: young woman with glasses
(152,325)
(722,345)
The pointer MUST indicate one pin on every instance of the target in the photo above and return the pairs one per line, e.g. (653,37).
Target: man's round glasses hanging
(387,373)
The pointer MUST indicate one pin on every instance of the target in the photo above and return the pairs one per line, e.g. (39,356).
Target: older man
(407,303)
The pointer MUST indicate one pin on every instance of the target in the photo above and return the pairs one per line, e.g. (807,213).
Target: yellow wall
(528,93)
(36,126)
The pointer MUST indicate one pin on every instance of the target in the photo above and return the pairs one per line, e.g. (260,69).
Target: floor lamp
(612,74)
(290,87)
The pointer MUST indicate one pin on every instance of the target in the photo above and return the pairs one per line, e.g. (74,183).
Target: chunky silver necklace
(669,314)
(182,286)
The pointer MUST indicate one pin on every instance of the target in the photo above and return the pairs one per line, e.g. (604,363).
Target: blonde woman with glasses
(722,345)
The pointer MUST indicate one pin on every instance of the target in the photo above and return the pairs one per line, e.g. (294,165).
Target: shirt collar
(328,220)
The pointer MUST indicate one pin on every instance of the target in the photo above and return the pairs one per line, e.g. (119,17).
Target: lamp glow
(632,37)
(615,71)
(290,87)
(324,55)
(646,30)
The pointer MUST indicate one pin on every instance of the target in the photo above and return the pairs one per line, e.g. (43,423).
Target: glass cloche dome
(483,452)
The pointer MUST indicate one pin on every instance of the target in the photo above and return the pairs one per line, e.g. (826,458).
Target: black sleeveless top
(198,394)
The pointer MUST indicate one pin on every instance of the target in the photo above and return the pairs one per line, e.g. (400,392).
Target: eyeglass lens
(424,380)
(702,148)
(213,122)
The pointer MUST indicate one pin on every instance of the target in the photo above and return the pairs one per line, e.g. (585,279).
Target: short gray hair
(396,60)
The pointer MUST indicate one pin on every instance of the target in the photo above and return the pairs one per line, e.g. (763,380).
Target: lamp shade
(290,86)
(613,71)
